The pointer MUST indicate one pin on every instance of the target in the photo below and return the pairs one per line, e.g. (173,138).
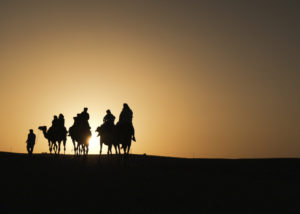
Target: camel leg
(128,149)
(64,142)
(73,141)
(108,149)
(55,148)
(100,147)
(84,150)
(50,146)
(125,149)
(119,151)
(116,148)
(59,142)
(77,148)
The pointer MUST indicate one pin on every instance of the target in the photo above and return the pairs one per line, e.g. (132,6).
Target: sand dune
(148,184)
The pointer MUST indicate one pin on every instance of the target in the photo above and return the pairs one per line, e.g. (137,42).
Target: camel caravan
(114,135)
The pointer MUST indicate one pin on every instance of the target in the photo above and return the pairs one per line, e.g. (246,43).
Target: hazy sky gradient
(204,78)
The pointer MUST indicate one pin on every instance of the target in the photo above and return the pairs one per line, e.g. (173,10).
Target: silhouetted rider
(85,115)
(61,121)
(30,141)
(126,118)
(109,118)
(77,120)
(61,124)
(55,122)
(126,114)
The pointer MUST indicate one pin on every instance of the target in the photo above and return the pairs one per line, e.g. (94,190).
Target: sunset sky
(204,79)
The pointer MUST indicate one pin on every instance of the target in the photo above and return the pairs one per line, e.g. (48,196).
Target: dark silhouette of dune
(147,184)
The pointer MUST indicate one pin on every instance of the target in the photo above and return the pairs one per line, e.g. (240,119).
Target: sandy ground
(147,184)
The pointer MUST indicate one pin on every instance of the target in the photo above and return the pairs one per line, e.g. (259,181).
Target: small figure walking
(30,142)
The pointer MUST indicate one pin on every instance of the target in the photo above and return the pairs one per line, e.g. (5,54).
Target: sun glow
(94,146)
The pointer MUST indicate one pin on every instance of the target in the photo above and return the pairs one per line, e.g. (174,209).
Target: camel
(108,138)
(82,138)
(124,136)
(50,137)
(54,139)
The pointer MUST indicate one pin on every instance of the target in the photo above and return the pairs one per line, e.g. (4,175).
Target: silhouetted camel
(80,132)
(53,137)
(124,135)
(82,138)
(108,136)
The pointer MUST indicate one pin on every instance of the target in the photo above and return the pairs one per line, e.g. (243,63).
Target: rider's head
(125,105)
(85,109)
(31,130)
(61,115)
(108,111)
(55,117)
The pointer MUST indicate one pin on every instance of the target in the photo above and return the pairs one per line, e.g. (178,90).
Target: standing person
(126,118)
(30,141)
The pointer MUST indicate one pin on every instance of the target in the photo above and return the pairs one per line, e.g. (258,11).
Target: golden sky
(203,78)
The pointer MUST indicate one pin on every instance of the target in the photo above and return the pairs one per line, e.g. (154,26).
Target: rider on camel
(109,118)
(84,117)
(126,118)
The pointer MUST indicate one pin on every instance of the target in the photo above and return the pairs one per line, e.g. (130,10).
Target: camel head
(43,128)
